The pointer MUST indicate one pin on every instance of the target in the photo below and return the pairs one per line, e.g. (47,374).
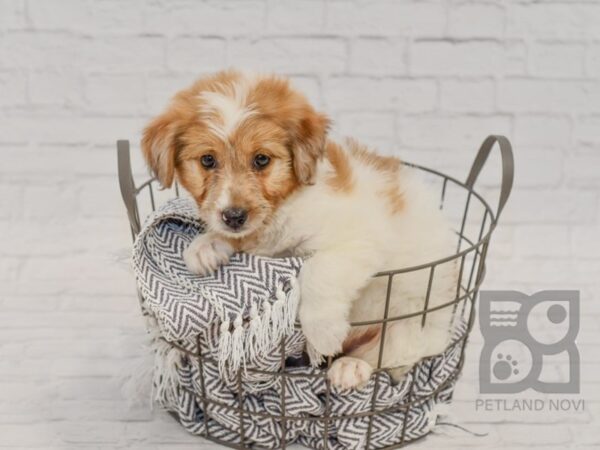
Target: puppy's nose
(234,217)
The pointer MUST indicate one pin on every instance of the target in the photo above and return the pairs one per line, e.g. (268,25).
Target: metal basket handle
(127,185)
(508,167)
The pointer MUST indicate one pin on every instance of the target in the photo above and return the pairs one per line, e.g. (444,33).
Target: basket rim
(484,238)
(447,178)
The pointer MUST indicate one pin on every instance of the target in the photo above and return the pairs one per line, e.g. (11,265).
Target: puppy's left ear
(308,143)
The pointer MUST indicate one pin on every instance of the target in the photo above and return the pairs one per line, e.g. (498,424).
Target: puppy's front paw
(349,373)
(206,253)
(325,334)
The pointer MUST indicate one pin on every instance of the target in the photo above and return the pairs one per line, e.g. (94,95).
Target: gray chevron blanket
(242,317)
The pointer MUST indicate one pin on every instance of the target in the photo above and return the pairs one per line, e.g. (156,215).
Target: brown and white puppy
(254,155)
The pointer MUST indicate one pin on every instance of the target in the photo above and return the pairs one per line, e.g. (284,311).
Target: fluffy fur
(351,212)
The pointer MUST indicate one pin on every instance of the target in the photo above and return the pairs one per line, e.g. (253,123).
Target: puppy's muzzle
(234,218)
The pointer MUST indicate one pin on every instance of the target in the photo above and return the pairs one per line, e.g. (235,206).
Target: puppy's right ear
(159,145)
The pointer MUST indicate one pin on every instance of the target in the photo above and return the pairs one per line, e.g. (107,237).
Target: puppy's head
(239,145)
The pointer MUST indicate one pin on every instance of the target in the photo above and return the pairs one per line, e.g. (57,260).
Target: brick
(115,94)
(73,274)
(366,125)
(404,95)
(11,201)
(124,54)
(587,133)
(295,17)
(46,16)
(476,20)
(554,20)
(529,95)
(310,87)
(108,232)
(50,161)
(72,130)
(554,59)
(9,268)
(13,88)
(386,18)
(582,171)
(289,55)
(161,87)
(378,57)
(452,132)
(543,240)
(462,58)
(467,95)
(538,167)
(232,18)
(101,198)
(550,206)
(542,131)
(503,243)
(56,87)
(40,50)
(535,272)
(77,319)
(189,54)
(107,16)
(113,303)
(593,60)
(49,202)
(12,14)
(585,241)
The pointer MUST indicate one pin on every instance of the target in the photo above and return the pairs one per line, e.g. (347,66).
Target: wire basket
(474,222)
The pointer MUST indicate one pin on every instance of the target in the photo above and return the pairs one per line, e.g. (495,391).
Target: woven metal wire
(475,222)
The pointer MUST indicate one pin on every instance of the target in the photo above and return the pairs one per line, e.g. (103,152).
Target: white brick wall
(426,80)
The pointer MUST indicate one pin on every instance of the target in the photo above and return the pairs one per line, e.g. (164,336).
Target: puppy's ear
(159,145)
(308,143)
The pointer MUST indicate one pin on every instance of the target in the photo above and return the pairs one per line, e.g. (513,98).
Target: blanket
(241,319)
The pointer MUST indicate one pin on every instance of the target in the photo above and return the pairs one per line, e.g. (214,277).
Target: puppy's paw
(206,253)
(325,334)
(349,373)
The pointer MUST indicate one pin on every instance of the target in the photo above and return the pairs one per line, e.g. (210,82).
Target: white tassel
(265,332)
(293,303)
(237,357)
(224,344)
(277,318)
(253,338)
(439,409)
(166,378)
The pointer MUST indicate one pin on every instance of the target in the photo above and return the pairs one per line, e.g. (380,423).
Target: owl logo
(523,333)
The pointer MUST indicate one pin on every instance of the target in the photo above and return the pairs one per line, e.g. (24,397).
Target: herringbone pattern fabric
(254,299)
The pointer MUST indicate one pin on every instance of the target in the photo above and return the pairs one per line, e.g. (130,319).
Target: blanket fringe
(238,356)
(254,340)
(224,345)
(265,328)
(262,333)
(165,381)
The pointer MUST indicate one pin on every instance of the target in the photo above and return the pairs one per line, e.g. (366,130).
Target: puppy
(255,156)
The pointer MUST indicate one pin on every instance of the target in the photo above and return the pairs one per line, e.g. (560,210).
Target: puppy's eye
(261,161)
(208,161)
